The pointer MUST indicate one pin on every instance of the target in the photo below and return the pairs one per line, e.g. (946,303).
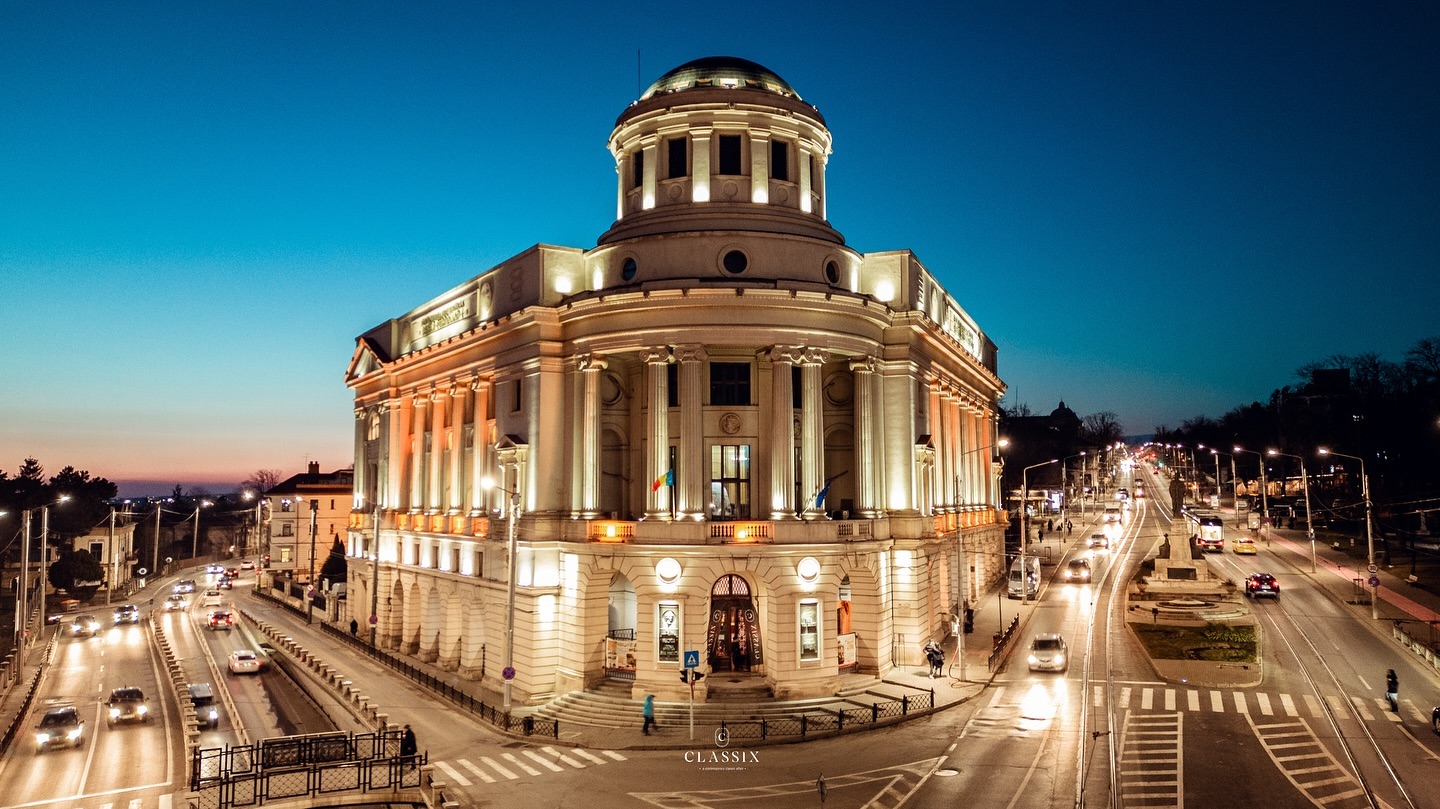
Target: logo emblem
(722,737)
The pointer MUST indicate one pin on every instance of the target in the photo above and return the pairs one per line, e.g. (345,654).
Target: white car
(247,564)
(175,602)
(1047,653)
(211,598)
(244,661)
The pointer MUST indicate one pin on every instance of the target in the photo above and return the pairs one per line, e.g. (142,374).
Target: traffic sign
(1374,581)
(374,619)
(508,672)
(692,658)
(1373,568)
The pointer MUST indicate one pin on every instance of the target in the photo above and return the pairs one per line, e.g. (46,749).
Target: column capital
(591,362)
(863,365)
(793,355)
(478,382)
(690,352)
(421,397)
(814,356)
(658,355)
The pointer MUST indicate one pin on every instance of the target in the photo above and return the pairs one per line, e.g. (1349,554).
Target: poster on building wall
(619,654)
(809,630)
(846,644)
(668,640)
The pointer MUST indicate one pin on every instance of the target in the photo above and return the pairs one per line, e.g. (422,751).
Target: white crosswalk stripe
(1257,703)
(544,762)
(1147,699)
(1193,701)
(1169,699)
(498,767)
(1362,709)
(490,770)
(591,757)
(1289,705)
(1263,700)
(1217,702)
(510,757)
(568,760)
(1240,702)
(453,773)
(1317,709)
(479,773)
(614,755)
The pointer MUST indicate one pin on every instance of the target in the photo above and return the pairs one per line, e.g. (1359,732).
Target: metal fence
(311,779)
(30,687)
(807,724)
(1002,642)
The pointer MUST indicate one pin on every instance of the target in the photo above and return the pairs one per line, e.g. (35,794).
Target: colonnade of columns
(963,436)
(423,465)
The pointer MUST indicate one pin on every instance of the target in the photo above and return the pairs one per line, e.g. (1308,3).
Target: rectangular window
(637,166)
(97,550)
(479,571)
(730,482)
(730,154)
(287,530)
(667,632)
(780,160)
(679,166)
(519,396)
(672,385)
(730,384)
(809,625)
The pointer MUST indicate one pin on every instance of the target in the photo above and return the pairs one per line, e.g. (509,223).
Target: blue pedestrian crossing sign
(692,658)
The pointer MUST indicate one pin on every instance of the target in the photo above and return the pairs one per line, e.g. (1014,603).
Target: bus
(1207,527)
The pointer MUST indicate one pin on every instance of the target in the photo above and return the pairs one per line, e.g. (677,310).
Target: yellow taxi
(1243,545)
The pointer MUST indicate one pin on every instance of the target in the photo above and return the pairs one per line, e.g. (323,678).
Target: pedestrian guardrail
(1002,643)
(812,724)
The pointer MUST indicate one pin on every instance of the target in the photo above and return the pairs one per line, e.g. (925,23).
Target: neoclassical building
(721,429)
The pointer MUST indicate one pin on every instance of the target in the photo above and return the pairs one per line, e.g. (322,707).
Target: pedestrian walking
(354,627)
(1392,690)
(648,711)
(408,747)
(1040,532)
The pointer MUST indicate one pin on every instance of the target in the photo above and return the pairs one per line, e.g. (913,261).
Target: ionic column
(362,469)
(690,477)
(657,422)
(812,434)
(590,366)
(979,460)
(955,414)
(782,434)
(480,442)
(933,485)
(397,431)
(865,449)
(459,392)
(437,449)
(416,500)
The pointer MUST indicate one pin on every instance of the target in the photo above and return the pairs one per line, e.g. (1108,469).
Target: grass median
(1218,643)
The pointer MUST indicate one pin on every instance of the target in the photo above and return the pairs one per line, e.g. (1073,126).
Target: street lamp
(1264,487)
(1024,532)
(22,601)
(310,585)
(1218,490)
(1305,484)
(1369,533)
(375,578)
(195,536)
(511,514)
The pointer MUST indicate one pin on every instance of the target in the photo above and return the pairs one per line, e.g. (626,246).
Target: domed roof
(720,71)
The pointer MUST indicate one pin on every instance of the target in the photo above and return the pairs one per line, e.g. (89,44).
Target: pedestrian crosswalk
(511,766)
(1252,703)
(151,801)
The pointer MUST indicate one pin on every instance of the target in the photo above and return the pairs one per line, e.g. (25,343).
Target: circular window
(735,262)
(628,269)
(832,273)
(667,570)
(808,569)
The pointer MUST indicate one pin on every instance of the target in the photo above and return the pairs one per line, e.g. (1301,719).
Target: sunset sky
(1156,209)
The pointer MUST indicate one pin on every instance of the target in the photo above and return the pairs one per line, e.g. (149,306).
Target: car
(184,586)
(60,726)
(1099,541)
(1243,545)
(219,619)
(214,569)
(1262,584)
(247,564)
(210,598)
(244,661)
(127,704)
(232,572)
(1122,494)
(1078,571)
(225,583)
(1139,491)
(174,602)
(202,696)
(1048,653)
(84,626)
(127,614)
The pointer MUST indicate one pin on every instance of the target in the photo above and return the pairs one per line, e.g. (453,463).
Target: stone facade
(721,429)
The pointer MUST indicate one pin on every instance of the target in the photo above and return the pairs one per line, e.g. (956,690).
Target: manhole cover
(946,773)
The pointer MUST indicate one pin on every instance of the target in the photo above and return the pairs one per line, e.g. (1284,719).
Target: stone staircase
(609,705)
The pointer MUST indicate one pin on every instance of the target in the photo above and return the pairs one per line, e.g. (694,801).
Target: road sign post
(689,675)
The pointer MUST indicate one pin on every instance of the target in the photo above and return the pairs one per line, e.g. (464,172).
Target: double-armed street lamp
(1305,485)
(1219,491)
(511,514)
(195,536)
(1369,533)
(1024,530)
(22,603)
(1264,487)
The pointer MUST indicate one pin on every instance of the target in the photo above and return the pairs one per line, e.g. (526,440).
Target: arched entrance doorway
(732,641)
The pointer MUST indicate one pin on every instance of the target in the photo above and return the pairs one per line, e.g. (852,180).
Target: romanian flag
(667,479)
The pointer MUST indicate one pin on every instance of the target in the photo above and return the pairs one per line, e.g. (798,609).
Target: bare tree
(1424,359)
(1102,428)
(262,480)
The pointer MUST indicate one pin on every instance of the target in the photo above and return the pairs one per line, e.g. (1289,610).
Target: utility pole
(21,605)
(110,547)
(310,589)
(155,562)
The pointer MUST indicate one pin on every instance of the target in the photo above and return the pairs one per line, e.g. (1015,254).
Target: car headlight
(142,710)
(42,738)
(114,713)
(214,714)
(1059,660)
(74,734)
(1034,660)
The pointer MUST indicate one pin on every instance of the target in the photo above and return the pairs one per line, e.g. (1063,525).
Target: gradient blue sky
(1158,209)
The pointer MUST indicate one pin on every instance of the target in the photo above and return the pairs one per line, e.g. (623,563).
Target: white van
(1030,577)
(1114,514)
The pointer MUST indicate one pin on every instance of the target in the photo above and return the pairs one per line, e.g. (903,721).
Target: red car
(220,619)
(1262,584)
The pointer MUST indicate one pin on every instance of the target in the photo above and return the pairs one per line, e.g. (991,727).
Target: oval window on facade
(832,273)
(735,262)
(628,269)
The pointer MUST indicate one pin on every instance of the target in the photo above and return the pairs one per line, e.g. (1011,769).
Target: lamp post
(375,579)
(1305,485)
(195,536)
(511,514)
(310,585)
(1264,487)
(1369,532)
(1024,531)
(21,622)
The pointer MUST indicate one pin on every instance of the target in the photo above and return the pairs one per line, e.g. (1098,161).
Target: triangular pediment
(364,361)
